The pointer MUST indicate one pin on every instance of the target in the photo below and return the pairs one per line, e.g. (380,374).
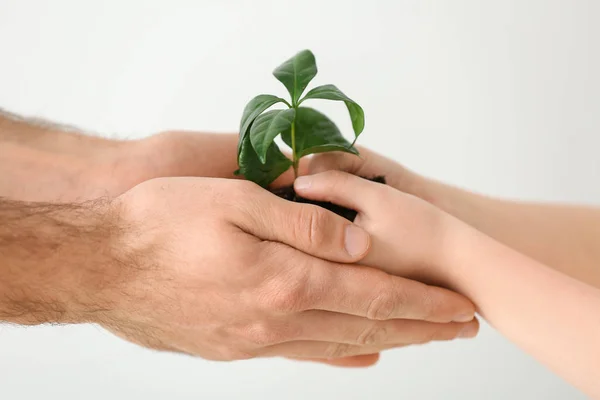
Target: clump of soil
(288,193)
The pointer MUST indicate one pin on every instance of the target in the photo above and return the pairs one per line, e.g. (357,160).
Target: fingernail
(303,182)
(463,318)
(356,240)
(467,332)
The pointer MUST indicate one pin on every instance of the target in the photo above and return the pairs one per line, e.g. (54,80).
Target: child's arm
(550,315)
(563,237)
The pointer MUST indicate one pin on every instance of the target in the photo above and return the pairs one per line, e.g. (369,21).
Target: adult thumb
(308,228)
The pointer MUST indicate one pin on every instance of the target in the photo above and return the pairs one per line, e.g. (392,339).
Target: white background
(499,96)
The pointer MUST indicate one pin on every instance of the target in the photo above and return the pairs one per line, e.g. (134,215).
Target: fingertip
(357,242)
(470,330)
(464,309)
(450,306)
(464,317)
(360,361)
(303,183)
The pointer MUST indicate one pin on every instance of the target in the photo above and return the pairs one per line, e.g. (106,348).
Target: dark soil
(288,193)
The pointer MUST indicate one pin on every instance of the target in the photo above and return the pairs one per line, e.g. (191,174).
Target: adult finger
(349,329)
(332,351)
(362,361)
(320,350)
(308,228)
(374,294)
(335,350)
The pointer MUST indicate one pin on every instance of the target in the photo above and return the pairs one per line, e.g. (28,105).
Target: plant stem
(294,158)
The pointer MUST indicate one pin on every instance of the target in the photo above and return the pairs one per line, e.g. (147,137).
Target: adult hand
(60,164)
(224,270)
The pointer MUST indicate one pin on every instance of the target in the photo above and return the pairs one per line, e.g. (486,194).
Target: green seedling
(305,130)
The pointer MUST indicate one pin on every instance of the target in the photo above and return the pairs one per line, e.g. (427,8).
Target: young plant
(305,130)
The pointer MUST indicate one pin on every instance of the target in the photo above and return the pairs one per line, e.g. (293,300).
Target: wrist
(426,189)
(455,262)
(457,202)
(118,168)
(181,153)
(134,162)
(167,154)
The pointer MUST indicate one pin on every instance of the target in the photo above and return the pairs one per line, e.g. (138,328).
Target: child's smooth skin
(552,316)
(564,237)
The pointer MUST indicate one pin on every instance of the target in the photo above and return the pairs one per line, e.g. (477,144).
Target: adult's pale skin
(122,234)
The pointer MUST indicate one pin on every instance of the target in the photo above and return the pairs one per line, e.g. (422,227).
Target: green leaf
(253,109)
(266,127)
(262,173)
(296,73)
(315,133)
(331,92)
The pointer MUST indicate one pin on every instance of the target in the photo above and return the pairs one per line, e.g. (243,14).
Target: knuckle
(286,296)
(338,350)
(286,282)
(288,301)
(313,223)
(381,307)
(261,334)
(386,303)
(376,333)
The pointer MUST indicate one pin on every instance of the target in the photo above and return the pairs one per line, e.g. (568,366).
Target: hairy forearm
(550,315)
(55,259)
(566,238)
(48,136)
(41,161)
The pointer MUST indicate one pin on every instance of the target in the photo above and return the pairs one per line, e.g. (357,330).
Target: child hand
(368,164)
(410,237)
